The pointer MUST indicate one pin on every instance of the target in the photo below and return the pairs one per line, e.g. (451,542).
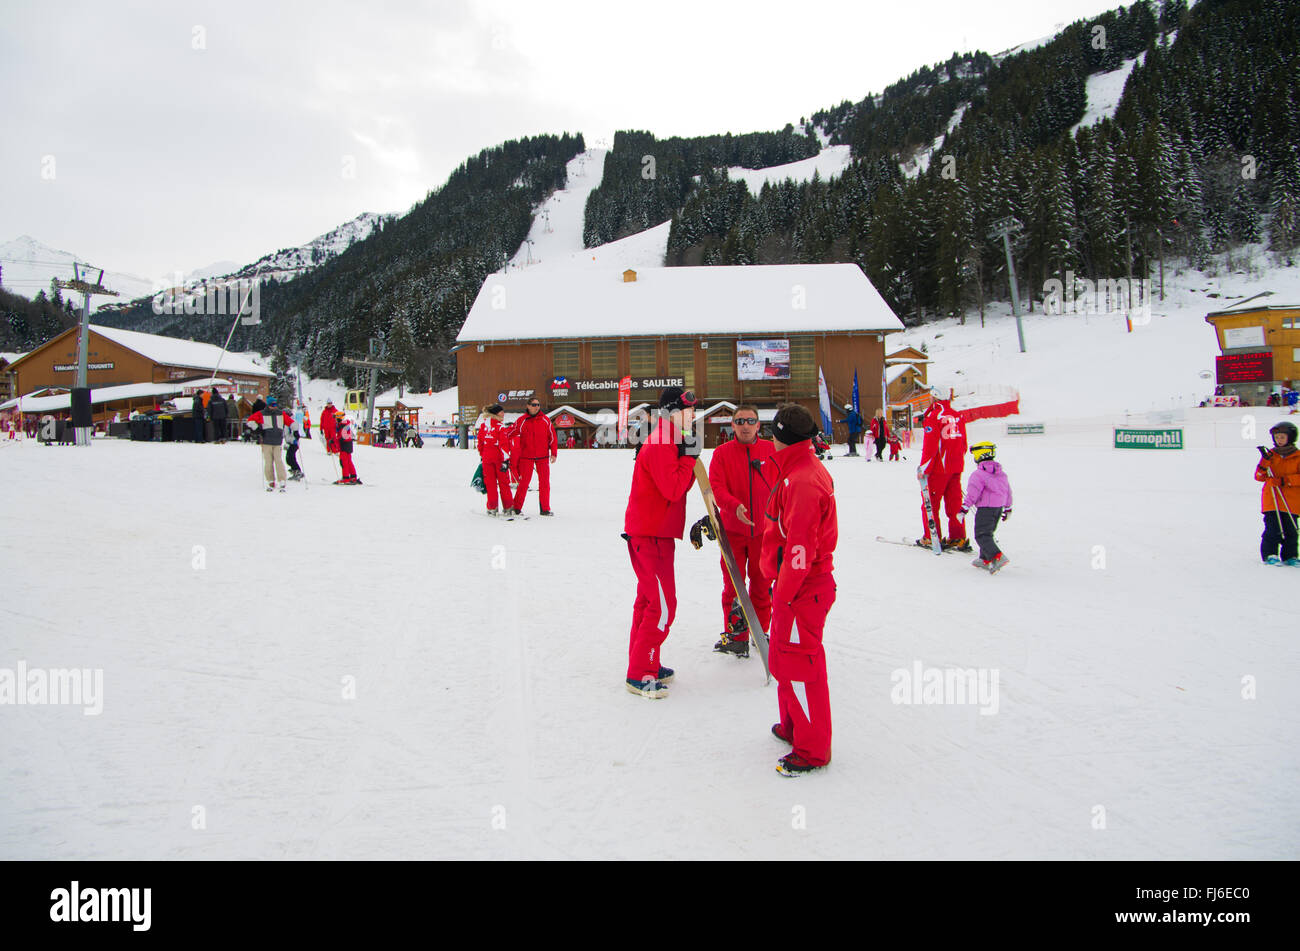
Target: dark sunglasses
(746,420)
(534,403)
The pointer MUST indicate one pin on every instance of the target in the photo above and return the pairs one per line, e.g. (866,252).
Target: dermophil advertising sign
(1148,438)
(761,360)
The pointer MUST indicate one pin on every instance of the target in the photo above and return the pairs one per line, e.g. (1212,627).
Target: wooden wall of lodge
(529,365)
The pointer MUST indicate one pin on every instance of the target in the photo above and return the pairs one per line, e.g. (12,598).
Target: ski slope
(381,672)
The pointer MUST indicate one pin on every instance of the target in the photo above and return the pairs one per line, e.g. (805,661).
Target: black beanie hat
(793,424)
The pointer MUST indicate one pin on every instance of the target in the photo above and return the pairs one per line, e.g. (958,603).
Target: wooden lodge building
(129,370)
(733,335)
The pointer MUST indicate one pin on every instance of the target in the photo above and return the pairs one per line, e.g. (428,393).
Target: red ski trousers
(655,606)
(798,663)
(494,479)
(747,551)
(543,482)
(945,488)
(345,462)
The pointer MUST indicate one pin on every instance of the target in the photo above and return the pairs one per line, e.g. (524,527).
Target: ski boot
(956,544)
(998,563)
(735,639)
(1292,562)
(980,563)
(650,689)
(779,732)
(270,487)
(665,674)
(1272,560)
(792,764)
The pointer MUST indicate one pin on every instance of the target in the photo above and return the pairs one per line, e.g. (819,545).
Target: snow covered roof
(894,372)
(98,394)
(760,299)
(181,353)
(8,357)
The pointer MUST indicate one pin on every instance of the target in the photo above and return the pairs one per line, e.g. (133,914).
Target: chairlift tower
(88,281)
(1003,228)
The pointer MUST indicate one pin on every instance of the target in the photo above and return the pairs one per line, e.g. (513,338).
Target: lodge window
(803,365)
(721,368)
(564,357)
(604,360)
(681,361)
(642,353)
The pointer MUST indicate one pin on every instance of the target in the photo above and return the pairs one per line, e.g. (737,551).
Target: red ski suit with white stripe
(798,550)
(329,427)
(493,442)
(736,474)
(943,455)
(656,515)
(534,442)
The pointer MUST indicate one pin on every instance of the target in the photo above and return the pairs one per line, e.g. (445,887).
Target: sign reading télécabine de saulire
(1148,438)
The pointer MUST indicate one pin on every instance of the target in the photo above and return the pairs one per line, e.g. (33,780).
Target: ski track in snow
(488,660)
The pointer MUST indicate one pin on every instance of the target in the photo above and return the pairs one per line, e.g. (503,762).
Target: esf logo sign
(505,396)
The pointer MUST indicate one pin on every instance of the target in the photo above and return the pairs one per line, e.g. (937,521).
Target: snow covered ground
(382,672)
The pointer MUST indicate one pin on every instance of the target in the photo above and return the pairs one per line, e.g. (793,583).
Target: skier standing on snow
(943,451)
(989,493)
(798,549)
(269,424)
(880,433)
(854,422)
(1279,470)
(329,427)
(655,517)
(291,437)
(345,432)
(740,490)
(534,440)
(493,445)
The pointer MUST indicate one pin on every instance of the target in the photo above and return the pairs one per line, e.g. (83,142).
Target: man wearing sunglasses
(741,490)
(656,516)
(534,444)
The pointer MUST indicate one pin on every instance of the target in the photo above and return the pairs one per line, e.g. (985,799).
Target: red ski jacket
(737,481)
(534,437)
(943,448)
(802,527)
(493,442)
(656,505)
(329,421)
(879,428)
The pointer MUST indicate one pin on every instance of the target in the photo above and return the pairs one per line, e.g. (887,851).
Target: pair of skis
(932,529)
(756,632)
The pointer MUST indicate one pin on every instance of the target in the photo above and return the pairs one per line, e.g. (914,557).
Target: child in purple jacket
(989,493)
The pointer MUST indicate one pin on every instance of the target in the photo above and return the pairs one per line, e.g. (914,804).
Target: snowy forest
(1202,156)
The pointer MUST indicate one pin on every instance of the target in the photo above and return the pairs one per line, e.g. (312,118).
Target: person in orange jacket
(798,553)
(1279,470)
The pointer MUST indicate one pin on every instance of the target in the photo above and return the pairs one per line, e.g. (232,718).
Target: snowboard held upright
(756,632)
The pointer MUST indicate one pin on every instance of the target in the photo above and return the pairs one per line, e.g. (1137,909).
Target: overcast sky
(151,137)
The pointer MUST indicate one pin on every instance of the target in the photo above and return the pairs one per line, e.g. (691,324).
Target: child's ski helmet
(1285,427)
(983,450)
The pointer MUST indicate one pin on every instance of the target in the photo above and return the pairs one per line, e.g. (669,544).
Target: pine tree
(282,385)
(1244,218)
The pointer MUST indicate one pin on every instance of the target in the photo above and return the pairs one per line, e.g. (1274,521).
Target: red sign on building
(1244,368)
(563,421)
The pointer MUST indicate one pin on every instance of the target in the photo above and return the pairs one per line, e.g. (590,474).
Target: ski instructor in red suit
(655,518)
(536,444)
(943,455)
(741,488)
(798,550)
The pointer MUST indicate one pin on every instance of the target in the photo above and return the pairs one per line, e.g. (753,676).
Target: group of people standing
(510,453)
(776,503)
(881,433)
(211,407)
